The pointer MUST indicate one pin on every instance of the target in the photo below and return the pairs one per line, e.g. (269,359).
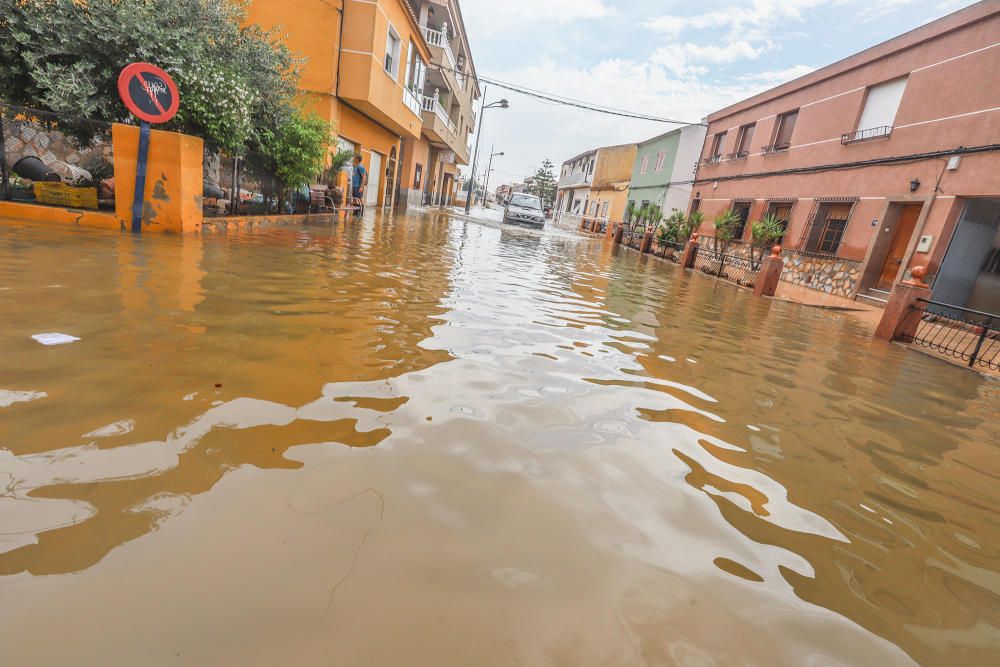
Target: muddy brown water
(428,441)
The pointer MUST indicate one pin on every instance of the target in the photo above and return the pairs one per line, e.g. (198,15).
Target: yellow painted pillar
(174,180)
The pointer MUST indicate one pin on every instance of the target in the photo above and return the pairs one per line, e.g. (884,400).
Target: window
(782,210)
(644,166)
(717,146)
(826,231)
(659,160)
(881,105)
(695,205)
(743,141)
(742,209)
(604,209)
(416,70)
(392,46)
(783,131)
(418,174)
(594,206)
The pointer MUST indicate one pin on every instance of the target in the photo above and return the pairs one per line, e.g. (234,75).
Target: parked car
(524,209)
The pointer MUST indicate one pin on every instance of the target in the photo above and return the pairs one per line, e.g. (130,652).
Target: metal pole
(475,152)
(486,185)
(140,177)
(987,325)
(3,160)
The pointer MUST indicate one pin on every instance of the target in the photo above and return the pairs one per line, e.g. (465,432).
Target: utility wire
(552,98)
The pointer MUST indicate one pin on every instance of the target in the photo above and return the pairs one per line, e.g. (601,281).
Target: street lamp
(502,104)
(489,168)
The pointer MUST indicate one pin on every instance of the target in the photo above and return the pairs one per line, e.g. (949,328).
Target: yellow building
(449,94)
(595,184)
(365,61)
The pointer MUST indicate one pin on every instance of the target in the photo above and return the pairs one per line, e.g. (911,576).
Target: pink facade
(935,94)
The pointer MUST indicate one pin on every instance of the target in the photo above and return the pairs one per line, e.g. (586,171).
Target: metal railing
(712,159)
(671,250)
(439,39)
(775,148)
(740,270)
(433,105)
(412,100)
(881,132)
(960,333)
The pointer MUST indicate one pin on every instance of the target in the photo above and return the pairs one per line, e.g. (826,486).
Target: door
(967,261)
(897,249)
(374,179)
(390,174)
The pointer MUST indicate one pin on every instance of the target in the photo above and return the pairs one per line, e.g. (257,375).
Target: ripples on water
(426,441)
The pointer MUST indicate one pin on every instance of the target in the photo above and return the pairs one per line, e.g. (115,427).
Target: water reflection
(431,430)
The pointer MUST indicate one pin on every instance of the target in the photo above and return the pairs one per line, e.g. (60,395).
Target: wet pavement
(432,441)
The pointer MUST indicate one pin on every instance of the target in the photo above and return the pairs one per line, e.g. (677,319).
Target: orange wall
(174,179)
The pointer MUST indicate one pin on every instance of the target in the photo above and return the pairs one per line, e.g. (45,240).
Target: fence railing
(969,335)
(740,270)
(439,39)
(671,250)
(55,159)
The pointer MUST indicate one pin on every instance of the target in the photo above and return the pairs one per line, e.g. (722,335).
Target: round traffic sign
(148,92)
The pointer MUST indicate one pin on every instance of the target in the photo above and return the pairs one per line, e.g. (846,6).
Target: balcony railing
(574,178)
(433,105)
(775,148)
(712,159)
(439,39)
(739,155)
(881,132)
(412,100)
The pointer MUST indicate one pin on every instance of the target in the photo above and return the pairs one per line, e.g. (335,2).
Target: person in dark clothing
(359,179)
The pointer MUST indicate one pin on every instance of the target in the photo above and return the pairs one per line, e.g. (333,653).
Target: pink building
(883,161)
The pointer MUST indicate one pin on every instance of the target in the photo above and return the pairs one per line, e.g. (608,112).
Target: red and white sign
(148,92)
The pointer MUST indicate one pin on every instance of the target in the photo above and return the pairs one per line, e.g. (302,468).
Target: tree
(725,227)
(766,232)
(544,183)
(299,148)
(237,83)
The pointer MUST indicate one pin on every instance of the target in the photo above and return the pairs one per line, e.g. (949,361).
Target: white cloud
(777,77)
(688,60)
(876,10)
(757,14)
(486,18)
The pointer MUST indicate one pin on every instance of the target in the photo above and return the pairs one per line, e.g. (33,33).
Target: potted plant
(765,233)
(725,225)
(338,162)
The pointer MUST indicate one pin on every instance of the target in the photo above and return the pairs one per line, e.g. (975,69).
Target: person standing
(359,180)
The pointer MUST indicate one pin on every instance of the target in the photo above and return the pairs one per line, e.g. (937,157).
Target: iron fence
(740,270)
(55,159)
(960,333)
(671,250)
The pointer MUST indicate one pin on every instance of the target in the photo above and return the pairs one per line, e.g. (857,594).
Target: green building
(664,168)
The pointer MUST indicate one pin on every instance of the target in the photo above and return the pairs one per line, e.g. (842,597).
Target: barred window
(742,209)
(827,227)
(782,210)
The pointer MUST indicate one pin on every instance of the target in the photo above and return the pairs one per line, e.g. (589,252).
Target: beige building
(595,184)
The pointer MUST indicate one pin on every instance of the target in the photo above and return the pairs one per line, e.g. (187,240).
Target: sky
(668,58)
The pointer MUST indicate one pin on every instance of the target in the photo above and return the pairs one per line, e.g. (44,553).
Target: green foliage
(299,148)
(767,231)
(673,228)
(725,225)
(340,160)
(236,82)
(630,211)
(544,184)
(694,222)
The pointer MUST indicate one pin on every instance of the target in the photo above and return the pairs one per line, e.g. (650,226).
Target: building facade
(367,66)
(883,161)
(448,91)
(595,183)
(665,167)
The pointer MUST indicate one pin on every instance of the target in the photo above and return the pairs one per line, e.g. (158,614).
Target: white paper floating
(55,338)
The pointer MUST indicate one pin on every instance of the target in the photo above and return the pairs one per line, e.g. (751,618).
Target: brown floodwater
(428,441)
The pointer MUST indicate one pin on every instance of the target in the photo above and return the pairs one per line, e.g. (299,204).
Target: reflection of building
(448,93)
(664,167)
(595,183)
(358,75)
(885,160)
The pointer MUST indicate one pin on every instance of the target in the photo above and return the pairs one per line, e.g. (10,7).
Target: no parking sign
(151,95)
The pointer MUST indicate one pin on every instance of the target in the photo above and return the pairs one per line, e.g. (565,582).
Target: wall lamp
(914,184)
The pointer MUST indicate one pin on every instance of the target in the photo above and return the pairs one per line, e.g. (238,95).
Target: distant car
(524,209)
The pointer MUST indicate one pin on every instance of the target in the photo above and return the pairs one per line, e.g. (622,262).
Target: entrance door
(900,240)
(390,172)
(374,179)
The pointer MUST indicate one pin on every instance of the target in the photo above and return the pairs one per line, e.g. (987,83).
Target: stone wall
(830,275)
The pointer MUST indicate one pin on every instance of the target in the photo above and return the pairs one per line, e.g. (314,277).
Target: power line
(568,101)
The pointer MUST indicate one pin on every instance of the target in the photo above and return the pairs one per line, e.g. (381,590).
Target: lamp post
(489,168)
(502,104)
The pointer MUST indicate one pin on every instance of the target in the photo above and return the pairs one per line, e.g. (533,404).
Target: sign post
(151,95)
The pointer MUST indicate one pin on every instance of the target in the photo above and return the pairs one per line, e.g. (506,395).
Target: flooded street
(428,441)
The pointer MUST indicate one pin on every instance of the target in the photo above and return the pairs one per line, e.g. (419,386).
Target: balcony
(441,129)
(575,178)
(882,132)
(412,101)
(438,41)
(712,159)
(775,148)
